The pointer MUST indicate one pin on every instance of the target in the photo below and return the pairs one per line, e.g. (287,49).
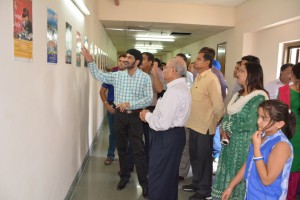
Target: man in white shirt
(167,134)
(157,87)
(189,77)
(284,79)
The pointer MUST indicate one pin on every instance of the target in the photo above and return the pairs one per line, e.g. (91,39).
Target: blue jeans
(217,143)
(112,136)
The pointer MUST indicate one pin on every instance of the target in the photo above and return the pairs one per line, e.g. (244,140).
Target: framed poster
(23,32)
(96,55)
(68,43)
(99,58)
(52,34)
(78,49)
(86,45)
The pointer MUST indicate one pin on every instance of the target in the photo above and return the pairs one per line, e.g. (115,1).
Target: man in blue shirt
(108,102)
(132,92)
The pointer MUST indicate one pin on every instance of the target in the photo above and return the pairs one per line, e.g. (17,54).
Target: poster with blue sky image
(51,36)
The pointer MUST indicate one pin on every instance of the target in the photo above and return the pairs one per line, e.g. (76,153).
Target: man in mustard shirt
(206,111)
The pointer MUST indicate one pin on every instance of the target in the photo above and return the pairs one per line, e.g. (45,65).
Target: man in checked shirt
(133,92)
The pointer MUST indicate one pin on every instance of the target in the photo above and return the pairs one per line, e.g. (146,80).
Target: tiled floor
(99,182)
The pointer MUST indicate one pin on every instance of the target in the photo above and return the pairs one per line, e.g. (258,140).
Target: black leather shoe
(122,184)
(198,196)
(145,192)
(189,188)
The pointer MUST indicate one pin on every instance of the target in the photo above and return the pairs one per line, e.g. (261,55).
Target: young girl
(267,169)
(238,125)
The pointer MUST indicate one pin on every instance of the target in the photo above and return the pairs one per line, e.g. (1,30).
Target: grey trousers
(185,164)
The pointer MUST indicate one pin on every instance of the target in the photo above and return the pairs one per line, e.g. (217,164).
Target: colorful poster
(96,55)
(52,34)
(86,45)
(91,49)
(68,43)
(99,58)
(103,60)
(78,49)
(23,34)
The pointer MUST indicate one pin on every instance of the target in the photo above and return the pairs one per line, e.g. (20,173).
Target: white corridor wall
(49,114)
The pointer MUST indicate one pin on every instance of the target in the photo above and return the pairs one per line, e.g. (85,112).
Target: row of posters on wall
(23,38)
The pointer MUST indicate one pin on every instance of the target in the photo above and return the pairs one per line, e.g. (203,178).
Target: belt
(131,111)
(112,103)
(151,108)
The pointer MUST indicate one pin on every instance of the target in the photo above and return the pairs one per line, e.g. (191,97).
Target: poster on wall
(105,63)
(96,55)
(86,45)
(68,43)
(91,50)
(102,60)
(99,58)
(23,34)
(51,36)
(78,49)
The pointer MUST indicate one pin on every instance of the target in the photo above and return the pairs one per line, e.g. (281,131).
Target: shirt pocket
(199,95)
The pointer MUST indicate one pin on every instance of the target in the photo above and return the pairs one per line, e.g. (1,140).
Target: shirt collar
(176,81)
(137,71)
(203,74)
(279,132)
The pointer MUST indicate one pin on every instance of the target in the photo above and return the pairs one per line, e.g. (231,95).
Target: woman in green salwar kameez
(238,126)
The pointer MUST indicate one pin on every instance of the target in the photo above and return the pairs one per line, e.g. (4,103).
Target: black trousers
(130,127)
(164,158)
(201,146)
(146,130)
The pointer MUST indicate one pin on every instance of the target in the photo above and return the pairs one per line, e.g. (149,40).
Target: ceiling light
(81,6)
(129,28)
(115,29)
(155,39)
(148,46)
(123,29)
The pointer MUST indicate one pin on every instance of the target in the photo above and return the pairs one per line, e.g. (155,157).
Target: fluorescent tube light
(155,39)
(148,47)
(129,28)
(81,6)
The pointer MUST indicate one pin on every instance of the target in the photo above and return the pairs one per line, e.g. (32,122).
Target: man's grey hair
(180,66)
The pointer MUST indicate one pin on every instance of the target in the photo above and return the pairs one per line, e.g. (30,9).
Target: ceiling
(124,37)
(207,2)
